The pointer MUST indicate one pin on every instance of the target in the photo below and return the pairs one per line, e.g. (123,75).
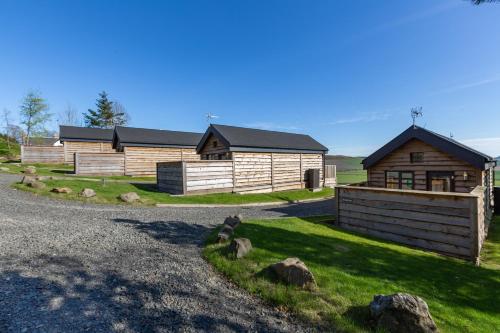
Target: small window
(404,180)
(416,157)
(214,144)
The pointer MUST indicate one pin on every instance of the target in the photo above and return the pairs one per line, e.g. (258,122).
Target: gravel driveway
(74,267)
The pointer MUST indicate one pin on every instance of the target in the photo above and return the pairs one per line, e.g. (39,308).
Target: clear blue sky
(345,72)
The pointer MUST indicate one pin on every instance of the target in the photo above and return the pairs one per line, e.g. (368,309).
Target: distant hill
(345,163)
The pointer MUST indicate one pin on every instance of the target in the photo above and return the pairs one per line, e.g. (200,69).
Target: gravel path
(74,267)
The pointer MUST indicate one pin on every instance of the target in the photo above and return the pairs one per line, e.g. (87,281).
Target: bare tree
(17,133)
(120,114)
(6,123)
(70,117)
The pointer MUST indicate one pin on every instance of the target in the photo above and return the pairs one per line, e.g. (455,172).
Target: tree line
(34,116)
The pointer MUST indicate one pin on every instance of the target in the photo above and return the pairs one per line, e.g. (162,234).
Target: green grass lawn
(350,269)
(351,177)
(109,192)
(14,150)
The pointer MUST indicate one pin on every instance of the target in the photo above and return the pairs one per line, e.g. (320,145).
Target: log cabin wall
(141,161)
(39,154)
(214,149)
(100,164)
(72,147)
(433,160)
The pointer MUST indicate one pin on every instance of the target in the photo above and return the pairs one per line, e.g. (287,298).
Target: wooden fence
(99,164)
(330,175)
(40,154)
(450,223)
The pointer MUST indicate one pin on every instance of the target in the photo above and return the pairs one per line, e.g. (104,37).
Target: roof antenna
(210,116)
(416,112)
(451,135)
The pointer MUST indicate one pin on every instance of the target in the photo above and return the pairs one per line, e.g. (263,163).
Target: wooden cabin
(84,140)
(264,161)
(144,148)
(419,159)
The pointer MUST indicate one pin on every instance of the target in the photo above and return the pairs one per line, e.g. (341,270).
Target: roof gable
(75,133)
(131,136)
(447,145)
(250,139)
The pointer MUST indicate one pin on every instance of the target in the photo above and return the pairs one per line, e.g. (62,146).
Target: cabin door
(440,181)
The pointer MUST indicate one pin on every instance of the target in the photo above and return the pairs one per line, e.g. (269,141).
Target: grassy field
(108,193)
(350,269)
(345,163)
(351,177)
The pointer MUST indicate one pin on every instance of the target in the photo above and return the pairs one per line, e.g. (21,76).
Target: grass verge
(350,269)
(108,193)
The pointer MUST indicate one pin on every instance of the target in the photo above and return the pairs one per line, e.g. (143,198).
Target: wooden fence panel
(169,177)
(449,223)
(72,147)
(100,164)
(40,154)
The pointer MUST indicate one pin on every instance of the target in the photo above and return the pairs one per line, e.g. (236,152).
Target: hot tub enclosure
(143,148)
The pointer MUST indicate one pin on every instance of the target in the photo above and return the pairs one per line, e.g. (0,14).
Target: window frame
(400,178)
(420,153)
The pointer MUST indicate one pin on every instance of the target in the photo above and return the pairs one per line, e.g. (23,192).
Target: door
(440,181)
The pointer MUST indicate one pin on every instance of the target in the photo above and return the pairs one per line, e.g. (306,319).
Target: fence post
(337,204)
(474,229)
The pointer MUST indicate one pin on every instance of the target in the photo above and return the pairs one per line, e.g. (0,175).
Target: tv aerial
(210,116)
(416,113)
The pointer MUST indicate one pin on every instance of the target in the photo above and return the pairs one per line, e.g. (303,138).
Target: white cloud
(490,146)
(467,85)
(365,117)
(273,126)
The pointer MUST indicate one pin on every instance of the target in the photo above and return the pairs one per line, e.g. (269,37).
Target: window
(214,144)
(404,180)
(441,181)
(416,157)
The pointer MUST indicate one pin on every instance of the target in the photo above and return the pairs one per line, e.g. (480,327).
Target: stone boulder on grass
(4,169)
(240,247)
(224,234)
(401,313)
(233,221)
(87,193)
(28,179)
(31,170)
(295,272)
(64,190)
(36,184)
(130,197)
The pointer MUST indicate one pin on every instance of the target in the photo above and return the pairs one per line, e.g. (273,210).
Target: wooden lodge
(84,140)
(245,160)
(144,148)
(424,190)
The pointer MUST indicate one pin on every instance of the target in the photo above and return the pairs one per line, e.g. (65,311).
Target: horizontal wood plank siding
(100,164)
(72,147)
(434,160)
(436,221)
(39,154)
(141,161)
(169,177)
(252,172)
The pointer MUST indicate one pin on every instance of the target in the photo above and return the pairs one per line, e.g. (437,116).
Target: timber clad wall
(434,160)
(102,164)
(72,147)
(39,154)
(141,161)
(449,223)
(247,173)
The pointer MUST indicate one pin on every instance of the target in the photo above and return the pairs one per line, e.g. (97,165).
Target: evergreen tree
(34,114)
(103,116)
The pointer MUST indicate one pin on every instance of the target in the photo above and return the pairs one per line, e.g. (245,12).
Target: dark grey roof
(250,139)
(73,133)
(43,141)
(441,142)
(130,136)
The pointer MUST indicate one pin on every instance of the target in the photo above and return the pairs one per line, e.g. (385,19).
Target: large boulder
(31,170)
(87,193)
(295,272)
(401,313)
(240,247)
(28,179)
(233,221)
(224,234)
(65,190)
(4,169)
(129,197)
(36,184)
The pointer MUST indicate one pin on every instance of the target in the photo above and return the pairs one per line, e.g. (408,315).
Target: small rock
(293,271)
(42,178)
(224,234)
(87,193)
(233,221)
(401,313)
(129,197)
(240,247)
(31,170)
(5,169)
(36,184)
(28,179)
(66,190)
